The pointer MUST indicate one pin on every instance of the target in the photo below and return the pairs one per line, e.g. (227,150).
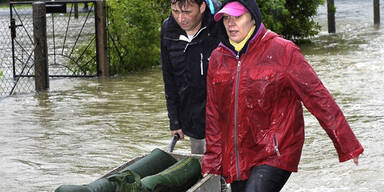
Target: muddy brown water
(82,128)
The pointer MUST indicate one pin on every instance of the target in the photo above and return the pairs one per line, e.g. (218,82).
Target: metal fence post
(40,44)
(101,39)
(76,7)
(376,12)
(331,16)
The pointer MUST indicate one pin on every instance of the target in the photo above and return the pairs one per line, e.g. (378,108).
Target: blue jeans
(263,178)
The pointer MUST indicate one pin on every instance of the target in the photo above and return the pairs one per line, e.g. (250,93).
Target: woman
(256,84)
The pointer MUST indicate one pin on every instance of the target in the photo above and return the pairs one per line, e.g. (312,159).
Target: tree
(291,18)
(134,28)
(134,33)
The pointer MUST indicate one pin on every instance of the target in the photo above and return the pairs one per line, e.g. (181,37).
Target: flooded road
(82,128)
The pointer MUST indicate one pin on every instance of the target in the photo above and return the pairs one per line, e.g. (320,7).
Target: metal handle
(172,144)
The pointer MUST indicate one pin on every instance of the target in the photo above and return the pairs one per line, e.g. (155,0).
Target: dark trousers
(263,178)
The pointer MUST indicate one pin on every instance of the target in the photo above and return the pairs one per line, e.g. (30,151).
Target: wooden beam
(376,12)
(331,16)
(101,39)
(40,44)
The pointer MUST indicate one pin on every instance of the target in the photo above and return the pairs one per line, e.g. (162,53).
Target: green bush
(134,28)
(291,18)
(134,33)
(83,61)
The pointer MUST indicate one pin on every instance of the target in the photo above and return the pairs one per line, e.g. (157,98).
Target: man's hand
(180,132)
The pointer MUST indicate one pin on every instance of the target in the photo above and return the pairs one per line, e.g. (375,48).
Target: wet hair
(184,2)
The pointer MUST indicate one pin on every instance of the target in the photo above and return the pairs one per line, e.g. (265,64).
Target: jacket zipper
(185,49)
(201,64)
(236,105)
(276,144)
(188,43)
(236,110)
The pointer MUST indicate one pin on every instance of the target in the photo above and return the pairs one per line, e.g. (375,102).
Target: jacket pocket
(221,79)
(261,89)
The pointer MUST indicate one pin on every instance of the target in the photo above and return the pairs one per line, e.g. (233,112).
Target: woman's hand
(356,160)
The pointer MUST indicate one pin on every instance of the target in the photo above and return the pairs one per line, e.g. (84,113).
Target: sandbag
(127,179)
(100,185)
(155,162)
(179,177)
(73,188)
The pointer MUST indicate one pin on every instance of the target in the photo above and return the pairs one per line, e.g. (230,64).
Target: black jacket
(185,66)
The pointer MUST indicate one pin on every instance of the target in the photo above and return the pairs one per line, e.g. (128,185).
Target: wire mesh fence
(70,40)
(8,83)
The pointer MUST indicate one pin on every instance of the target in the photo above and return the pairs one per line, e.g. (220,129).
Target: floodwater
(82,128)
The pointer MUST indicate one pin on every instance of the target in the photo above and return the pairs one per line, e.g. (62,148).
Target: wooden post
(101,39)
(376,12)
(331,16)
(40,44)
(76,6)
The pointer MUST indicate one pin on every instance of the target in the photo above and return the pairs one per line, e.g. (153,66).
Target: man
(188,37)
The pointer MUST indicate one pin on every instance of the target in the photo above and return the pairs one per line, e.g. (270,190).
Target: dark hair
(183,2)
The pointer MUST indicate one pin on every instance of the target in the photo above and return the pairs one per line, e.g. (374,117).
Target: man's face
(189,16)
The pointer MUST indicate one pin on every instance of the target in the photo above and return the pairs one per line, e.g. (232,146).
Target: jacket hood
(253,8)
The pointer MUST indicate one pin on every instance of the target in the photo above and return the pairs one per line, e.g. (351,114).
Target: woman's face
(237,27)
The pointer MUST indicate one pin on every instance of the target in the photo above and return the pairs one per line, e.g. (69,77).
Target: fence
(332,10)
(71,41)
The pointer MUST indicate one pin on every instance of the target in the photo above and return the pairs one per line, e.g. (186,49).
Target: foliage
(134,28)
(273,11)
(291,18)
(83,60)
(134,33)
(1,74)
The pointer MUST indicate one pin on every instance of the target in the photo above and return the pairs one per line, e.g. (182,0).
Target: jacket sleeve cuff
(351,155)
(174,125)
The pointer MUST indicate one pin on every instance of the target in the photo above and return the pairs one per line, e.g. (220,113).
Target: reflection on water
(82,128)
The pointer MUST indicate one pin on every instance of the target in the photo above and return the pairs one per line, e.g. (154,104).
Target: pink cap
(233,8)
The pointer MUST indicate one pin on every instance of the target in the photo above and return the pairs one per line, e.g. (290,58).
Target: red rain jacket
(254,111)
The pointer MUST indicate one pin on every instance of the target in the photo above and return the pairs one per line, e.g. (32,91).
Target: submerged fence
(72,29)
